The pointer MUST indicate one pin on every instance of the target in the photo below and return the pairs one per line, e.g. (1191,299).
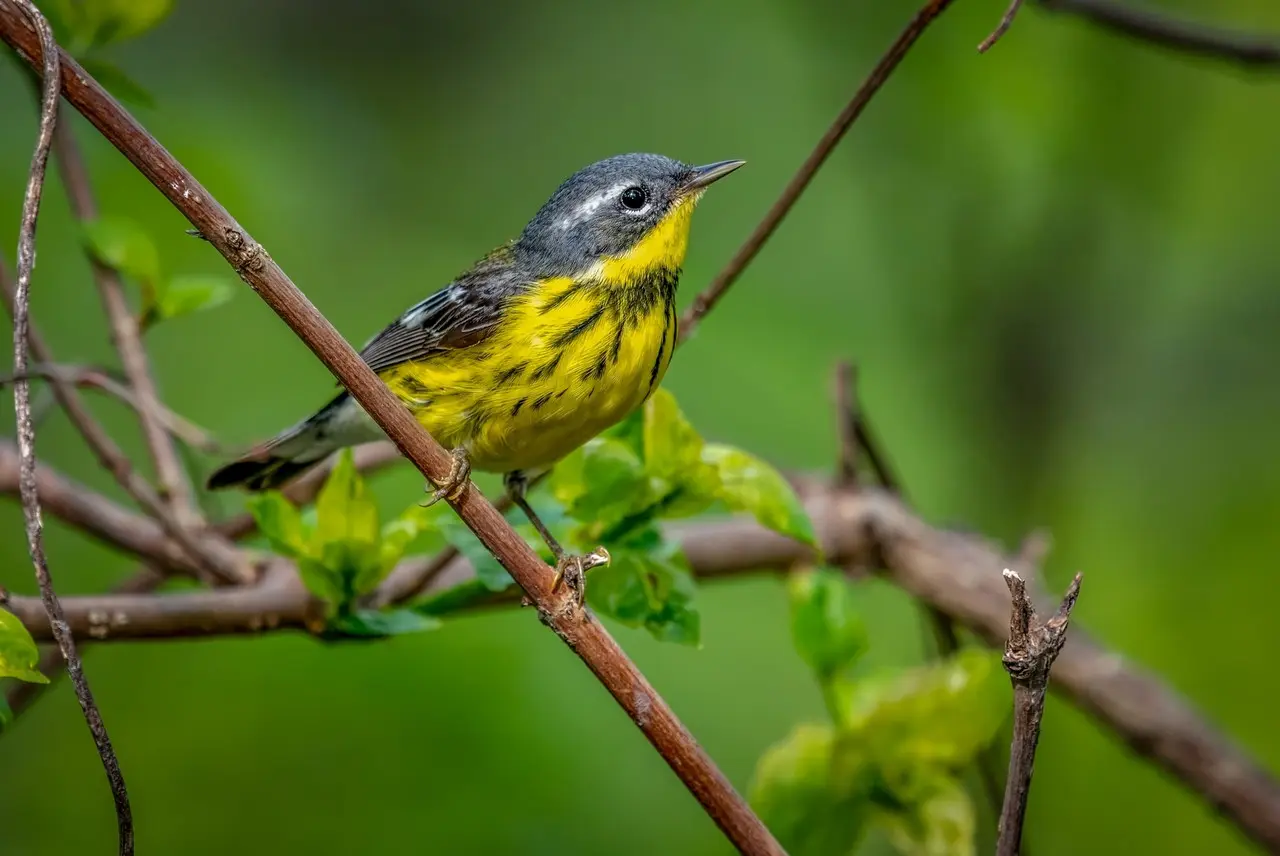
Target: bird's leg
(455,483)
(570,570)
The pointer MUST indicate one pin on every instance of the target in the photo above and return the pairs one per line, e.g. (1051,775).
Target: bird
(538,347)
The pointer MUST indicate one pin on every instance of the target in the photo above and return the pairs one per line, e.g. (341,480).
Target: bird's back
(567,358)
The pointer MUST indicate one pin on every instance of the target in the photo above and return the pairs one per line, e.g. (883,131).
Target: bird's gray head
(624,206)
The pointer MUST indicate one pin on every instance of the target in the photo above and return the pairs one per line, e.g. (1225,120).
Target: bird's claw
(453,487)
(571,571)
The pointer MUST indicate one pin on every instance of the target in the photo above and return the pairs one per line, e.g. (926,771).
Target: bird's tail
(281,459)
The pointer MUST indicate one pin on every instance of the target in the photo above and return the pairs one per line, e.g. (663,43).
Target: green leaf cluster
(655,466)
(892,753)
(123,245)
(343,552)
(85,27)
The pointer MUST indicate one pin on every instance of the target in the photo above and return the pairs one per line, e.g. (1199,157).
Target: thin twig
(711,295)
(1003,27)
(98,378)
(220,561)
(1028,658)
(26,430)
(174,488)
(556,607)
(1260,53)
(956,572)
(96,515)
(856,436)
(846,395)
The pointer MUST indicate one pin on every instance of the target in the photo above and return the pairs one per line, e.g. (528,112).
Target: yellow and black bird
(540,346)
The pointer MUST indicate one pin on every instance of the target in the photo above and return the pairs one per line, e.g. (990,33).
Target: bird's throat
(662,249)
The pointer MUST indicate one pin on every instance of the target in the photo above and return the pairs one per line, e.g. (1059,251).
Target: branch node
(1028,658)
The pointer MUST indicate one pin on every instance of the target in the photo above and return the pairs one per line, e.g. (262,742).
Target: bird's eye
(634,198)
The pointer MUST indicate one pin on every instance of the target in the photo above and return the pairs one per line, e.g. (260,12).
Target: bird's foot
(459,476)
(571,571)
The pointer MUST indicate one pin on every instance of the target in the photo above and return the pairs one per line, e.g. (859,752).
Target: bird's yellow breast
(571,357)
(568,360)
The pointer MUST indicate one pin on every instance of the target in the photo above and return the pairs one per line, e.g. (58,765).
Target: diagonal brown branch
(51,71)
(577,628)
(174,489)
(1251,51)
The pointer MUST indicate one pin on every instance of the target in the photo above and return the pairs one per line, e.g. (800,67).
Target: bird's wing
(460,315)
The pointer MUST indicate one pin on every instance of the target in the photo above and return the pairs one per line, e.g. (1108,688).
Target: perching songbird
(540,346)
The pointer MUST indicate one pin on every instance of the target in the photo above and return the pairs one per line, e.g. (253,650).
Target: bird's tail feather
(281,459)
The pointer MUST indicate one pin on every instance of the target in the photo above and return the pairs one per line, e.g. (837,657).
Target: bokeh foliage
(1055,265)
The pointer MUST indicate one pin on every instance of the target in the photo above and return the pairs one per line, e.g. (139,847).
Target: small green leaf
(941,714)
(18,652)
(652,589)
(751,485)
(814,800)
(6,714)
(93,23)
(941,824)
(672,446)
(119,84)
(280,522)
(186,294)
(367,623)
(827,630)
(601,484)
(630,432)
(345,511)
(487,569)
(320,580)
(417,526)
(355,566)
(122,244)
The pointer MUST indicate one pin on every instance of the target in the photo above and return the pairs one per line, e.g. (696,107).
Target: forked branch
(1028,658)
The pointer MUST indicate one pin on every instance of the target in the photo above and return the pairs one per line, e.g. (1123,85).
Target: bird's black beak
(701,176)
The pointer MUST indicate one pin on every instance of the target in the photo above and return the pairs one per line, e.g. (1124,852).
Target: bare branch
(95,377)
(1028,658)
(957,573)
(174,487)
(1003,27)
(846,396)
(26,430)
(576,627)
(222,564)
(94,514)
(1254,52)
(711,295)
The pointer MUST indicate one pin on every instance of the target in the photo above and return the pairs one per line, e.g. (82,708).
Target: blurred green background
(1056,266)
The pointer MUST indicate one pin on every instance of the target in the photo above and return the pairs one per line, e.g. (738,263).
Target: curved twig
(51,72)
